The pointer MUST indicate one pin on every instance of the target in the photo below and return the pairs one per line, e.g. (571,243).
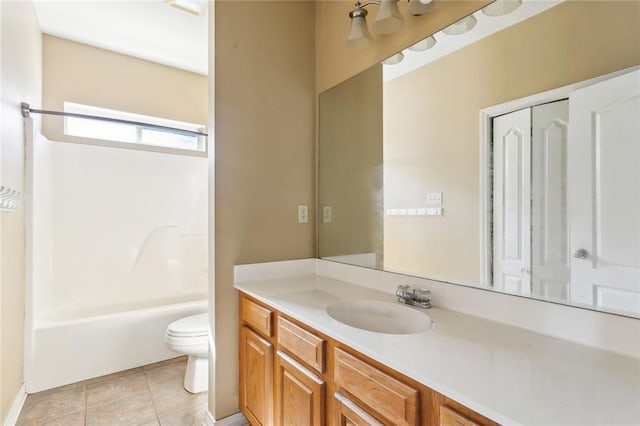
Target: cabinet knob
(581,254)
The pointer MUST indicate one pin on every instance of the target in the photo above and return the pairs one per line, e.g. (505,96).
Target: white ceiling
(147,29)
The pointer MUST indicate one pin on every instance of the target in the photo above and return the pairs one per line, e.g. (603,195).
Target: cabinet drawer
(449,417)
(383,394)
(257,317)
(302,344)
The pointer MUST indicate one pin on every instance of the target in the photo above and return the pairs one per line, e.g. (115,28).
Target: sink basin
(379,316)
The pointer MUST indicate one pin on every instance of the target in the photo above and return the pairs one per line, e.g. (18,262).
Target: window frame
(146,122)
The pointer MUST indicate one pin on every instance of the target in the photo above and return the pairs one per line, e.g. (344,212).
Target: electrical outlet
(303,214)
(326,214)
(434,198)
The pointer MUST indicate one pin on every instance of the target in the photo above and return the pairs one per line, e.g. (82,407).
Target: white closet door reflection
(549,247)
(511,202)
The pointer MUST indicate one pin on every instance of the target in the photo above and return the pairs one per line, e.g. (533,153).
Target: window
(143,133)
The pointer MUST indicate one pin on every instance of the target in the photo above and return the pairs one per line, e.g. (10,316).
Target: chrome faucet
(414,297)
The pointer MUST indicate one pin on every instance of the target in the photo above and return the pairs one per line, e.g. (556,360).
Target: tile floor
(144,396)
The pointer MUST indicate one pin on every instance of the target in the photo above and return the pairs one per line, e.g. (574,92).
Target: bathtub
(65,349)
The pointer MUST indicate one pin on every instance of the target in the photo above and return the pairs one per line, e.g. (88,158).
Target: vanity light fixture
(462,26)
(395,59)
(423,45)
(420,7)
(388,20)
(194,7)
(501,7)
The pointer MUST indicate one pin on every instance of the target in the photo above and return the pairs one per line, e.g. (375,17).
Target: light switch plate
(326,214)
(303,214)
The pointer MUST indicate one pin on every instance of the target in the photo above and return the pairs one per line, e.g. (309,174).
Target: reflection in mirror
(505,157)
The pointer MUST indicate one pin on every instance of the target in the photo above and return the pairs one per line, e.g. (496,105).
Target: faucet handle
(402,290)
(422,295)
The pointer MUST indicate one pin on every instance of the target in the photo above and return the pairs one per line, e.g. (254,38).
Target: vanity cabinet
(290,374)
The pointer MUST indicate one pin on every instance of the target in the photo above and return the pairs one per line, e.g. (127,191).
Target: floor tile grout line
(153,403)
(86,402)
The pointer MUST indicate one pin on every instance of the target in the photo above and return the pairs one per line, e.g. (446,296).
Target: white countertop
(508,374)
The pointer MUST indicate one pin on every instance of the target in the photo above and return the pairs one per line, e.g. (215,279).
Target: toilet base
(196,378)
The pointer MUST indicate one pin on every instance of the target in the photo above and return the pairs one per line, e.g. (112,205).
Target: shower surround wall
(119,250)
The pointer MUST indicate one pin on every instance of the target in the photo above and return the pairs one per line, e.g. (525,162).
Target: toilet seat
(186,334)
(192,332)
(190,327)
(197,345)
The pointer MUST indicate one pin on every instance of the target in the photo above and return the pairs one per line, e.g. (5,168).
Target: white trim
(486,115)
(211,214)
(485,200)
(208,419)
(132,146)
(30,135)
(16,407)
(233,420)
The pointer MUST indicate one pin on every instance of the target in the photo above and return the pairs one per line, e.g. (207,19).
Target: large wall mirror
(506,157)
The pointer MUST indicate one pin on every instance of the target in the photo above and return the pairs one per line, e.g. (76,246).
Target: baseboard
(234,420)
(16,407)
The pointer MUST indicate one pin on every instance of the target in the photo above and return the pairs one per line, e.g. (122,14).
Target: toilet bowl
(189,336)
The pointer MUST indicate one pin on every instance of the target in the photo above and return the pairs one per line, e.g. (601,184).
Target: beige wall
(264,155)
(336,63)
(431,144)
(267,74)
(20,81)
(76,72)
(350,166)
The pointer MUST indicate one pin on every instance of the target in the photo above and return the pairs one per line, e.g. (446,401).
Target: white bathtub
(68,351)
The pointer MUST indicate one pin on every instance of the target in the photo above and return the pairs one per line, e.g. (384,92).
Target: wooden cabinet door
(349,414)
(256,378)
(299,394)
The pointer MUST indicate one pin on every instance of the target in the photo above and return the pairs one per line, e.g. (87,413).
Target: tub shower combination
(116,251)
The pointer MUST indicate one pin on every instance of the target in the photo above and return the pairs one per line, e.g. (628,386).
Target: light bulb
(462,26)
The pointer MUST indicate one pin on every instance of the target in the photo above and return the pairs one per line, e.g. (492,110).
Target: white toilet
(189,336)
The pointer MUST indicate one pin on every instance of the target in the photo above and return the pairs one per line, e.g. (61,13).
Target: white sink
(381,317)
